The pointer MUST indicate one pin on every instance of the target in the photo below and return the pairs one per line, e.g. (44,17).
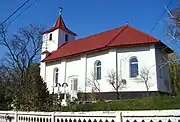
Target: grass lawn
(151,103)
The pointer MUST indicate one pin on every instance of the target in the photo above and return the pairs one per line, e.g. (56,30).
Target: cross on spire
(60,10)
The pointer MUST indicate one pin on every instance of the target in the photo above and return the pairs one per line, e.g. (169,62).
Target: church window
(50,36)
(66,37)
(133,67)
(74,84)
(56,73)
(97,71)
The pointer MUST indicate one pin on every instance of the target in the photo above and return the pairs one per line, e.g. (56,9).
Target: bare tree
(23,48)
(94,84)
(174,69)
(23,51)
(116,81)
(173,35)
(173,26)
(145,76)
(173,30)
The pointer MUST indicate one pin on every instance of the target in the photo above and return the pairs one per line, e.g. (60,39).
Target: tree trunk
(147,88)
(118,94)
(147,94)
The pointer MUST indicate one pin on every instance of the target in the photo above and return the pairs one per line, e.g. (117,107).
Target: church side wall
(107,59)
(76,67)
(146,60)
(163,77)
(50,75)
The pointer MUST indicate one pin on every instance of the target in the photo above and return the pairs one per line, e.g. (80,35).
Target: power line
(22,12)
(166,8)
(15,12)
(160,18)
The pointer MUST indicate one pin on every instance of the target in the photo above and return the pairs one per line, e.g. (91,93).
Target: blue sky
(86,17)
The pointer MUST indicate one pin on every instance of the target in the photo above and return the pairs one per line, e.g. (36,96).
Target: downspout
(85,76)
(65,66)
(45,71)
(53,83)
(116,70)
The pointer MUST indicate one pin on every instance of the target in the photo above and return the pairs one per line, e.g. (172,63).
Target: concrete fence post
(119,117)
(52,117)
(15,116)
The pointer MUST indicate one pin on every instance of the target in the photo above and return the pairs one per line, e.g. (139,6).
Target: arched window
(133,67)
(97,70)
(56,73)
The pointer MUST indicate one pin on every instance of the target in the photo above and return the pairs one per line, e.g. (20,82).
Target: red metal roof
(122,36)
(60,25)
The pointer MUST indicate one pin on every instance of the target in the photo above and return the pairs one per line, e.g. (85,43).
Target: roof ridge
(89,36)
(124,27)
(99,33)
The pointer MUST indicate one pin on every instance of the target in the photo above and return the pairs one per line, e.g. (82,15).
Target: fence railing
(98,116)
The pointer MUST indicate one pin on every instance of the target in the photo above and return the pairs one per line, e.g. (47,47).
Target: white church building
(124,50)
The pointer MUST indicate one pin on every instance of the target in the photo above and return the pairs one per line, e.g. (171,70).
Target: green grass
(152,103)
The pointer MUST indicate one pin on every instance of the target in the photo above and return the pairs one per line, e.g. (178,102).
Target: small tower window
(50,36)
(66,37)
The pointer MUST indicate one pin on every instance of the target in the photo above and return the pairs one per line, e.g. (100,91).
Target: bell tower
(56,36)
(53,38)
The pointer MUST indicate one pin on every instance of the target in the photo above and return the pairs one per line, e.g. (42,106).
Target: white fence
(99,116)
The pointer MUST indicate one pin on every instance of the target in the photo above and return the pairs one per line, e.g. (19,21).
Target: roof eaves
(88,51)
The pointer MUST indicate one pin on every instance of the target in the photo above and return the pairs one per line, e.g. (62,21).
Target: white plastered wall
(146,60)
(83,66)
(163,77)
